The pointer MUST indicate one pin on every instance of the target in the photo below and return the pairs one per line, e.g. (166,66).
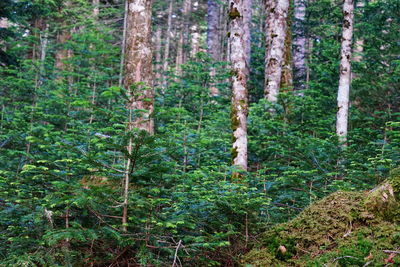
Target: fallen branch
(176,252)
(391,251)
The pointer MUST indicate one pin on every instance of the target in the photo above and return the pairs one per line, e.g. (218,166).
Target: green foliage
(63,148)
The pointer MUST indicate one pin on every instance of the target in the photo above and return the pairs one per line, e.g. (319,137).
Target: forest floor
(343,229)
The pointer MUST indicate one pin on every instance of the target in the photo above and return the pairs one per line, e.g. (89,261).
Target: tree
(299,45)
(247,17)
(195,35)
(237,58)
(277,11)
(345,72)
(138,80)
(213,30)
(167,40)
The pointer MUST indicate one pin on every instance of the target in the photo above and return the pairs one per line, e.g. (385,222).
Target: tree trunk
(247,16)
(63,36)
(138,80)
(168,37)
(195,42)
(158,63)
(345,72)
(180,57)
(213,39)
(299,45)
(277,11)
(186,30)
(239,108)
(122,59)
(213,30)
(287,70)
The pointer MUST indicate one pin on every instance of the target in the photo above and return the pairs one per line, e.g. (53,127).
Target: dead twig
(176,253)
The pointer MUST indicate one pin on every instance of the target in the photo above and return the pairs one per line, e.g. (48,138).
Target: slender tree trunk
(138,80)
(287,70)
(186,29)
(195,42)
(345,72)
(122,59)
(299,45)
(276,24)
(224,33)
(247,16)
(180,57)
(168,40)
(239,108)
(63,36)
(158,63)
(359,42)
(213,39)
(213,30)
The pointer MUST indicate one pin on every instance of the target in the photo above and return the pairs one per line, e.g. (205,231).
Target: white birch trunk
(345,72)
(237,58)
(277,11)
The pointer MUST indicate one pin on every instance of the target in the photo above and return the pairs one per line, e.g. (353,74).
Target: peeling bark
(277,11)
(237,58)
(299,45)
(345,72)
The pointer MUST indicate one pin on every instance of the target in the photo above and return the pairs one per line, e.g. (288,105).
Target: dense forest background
(80,186)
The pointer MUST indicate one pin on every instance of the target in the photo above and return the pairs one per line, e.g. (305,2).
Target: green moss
(343,229)
(234,13)
(234,118)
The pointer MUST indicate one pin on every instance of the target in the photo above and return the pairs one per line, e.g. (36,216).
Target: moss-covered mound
(343,229)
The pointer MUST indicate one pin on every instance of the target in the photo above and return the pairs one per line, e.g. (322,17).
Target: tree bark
(299,45)
(345,72)
(158,63)
(138,80)
(180,57)
(213,30)
(195,42)
(167,41)
(247,16)
(277,11)
(287,70)
(239,107)
(122,59)
(63,36)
